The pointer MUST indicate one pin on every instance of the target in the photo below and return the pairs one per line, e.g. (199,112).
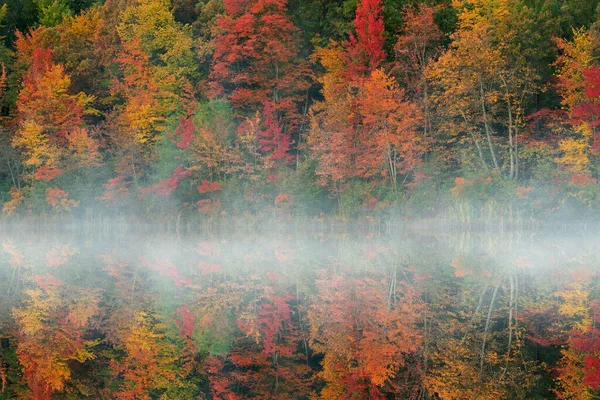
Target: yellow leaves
(575,305)
(84,149)
(331,59)
(142,120)
(149,360)
(37,146)
(152,25)
(458,374)
(31,319)
(84,24)
(571,372)
(48,342)
(574,155)
(17,257)
(141,335)
(85,353)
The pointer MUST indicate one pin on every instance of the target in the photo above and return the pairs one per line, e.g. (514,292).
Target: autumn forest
(288,316)
(299,199)
(206,109)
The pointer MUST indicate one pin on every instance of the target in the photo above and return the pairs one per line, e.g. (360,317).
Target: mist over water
(287,315)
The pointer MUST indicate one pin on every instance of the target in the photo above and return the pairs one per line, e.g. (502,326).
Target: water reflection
(285,316)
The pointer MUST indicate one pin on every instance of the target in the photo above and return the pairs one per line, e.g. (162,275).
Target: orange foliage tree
(52,333)
(364,128)
(51,131)
(366,331)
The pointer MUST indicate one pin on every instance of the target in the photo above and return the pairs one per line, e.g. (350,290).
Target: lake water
(299,316)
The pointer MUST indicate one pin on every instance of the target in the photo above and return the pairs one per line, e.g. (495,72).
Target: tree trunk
(477,145)
(487,127)
(510,130)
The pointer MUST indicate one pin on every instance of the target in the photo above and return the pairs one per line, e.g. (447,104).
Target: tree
(417,46)
(155,66)
(51,131)
(53,12)
(256,65)
(486,75)
(364,51)
(365,333)
(364,128)
(577,83)
(55,314)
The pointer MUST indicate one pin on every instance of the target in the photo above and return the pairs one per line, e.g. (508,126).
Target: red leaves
(592,375)
(165,187)
(592,84)
(208,187)
(256,61)
(185,131)
(589,111)
(187,323)
(208,206)
(365,49)
(46,173)
(582,179)
(208,268)
(272,139)
(47,282)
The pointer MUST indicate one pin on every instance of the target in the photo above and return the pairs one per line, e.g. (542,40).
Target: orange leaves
(45,98)
(582,179)
(465,187)
(115,189)
(363,346)
(282,199)
(51,120)
(208,206)
(522,192)
(55,314)
(17,197)
(416,46)
(59,255)
(367,130)
(59,200)
(84,149)
(207,268)
(3,378)
(576,56)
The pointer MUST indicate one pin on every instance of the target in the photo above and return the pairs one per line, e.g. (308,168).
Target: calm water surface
(286,316)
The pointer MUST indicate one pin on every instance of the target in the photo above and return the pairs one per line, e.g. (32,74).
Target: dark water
(285,316)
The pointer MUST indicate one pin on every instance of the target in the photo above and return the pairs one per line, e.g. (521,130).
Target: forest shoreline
(182,225)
